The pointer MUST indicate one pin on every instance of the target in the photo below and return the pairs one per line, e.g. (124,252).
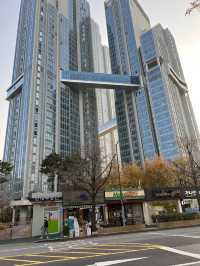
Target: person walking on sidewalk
(45,228)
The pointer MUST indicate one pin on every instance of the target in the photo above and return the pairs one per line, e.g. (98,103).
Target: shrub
(5,215)
(171,217)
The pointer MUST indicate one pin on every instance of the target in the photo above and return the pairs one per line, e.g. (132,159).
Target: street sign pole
(120,187)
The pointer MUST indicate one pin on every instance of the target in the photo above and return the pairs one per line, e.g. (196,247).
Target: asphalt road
(178,247)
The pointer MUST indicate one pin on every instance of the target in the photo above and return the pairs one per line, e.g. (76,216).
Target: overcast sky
(170,13)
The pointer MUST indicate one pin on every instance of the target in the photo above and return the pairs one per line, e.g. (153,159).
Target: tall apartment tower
(172,113)
(107,125)
(126,21)
(44,114)
(152,119)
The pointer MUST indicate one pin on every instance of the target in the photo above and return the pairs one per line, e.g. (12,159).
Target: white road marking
(114,262)
(190,263)
(175,235)
(180,252)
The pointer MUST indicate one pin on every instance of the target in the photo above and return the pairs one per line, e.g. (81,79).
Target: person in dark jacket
(45,228)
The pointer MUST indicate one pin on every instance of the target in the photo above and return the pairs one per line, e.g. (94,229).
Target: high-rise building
(107,125)
(53,106)
(46,115)
(126,21)
(172,114)
(152,119)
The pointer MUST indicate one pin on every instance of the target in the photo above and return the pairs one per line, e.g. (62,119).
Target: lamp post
(120,188)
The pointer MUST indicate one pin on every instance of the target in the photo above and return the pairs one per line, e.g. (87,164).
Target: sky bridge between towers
(99,80)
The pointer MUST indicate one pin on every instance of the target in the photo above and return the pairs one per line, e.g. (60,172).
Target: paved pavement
(179,247)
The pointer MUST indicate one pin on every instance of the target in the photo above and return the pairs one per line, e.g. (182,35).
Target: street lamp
(120,188)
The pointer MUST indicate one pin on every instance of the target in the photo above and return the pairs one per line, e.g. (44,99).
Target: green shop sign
(126,194)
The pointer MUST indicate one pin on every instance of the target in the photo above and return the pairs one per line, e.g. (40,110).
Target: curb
(64,239)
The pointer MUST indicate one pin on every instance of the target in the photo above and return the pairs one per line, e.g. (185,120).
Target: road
(180,247)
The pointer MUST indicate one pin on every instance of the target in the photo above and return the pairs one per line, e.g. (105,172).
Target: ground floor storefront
(73,211)
(47,206)
(133,213)
(130,200)
(77,218)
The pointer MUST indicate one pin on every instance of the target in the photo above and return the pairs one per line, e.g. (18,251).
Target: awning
(18,203)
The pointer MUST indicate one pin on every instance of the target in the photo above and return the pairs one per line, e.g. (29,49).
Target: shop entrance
(133,214)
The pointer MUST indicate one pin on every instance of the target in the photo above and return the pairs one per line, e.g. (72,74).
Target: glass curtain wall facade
(44,114)
(47,115)
(125,22)
(152,119)
(172,113)
(105,98)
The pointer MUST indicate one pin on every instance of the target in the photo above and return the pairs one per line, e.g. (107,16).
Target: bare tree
(86,172)
(188,168)
(4,199)
(5,170)
(193,6)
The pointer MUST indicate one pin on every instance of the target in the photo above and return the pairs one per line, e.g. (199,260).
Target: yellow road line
(48,256)
(101,248)
(52,261)
(124,244)
(20,260)
(86,252)
(85,257)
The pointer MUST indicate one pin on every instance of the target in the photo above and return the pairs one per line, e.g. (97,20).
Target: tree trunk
(197,195)
(195,179)
(94,228)
(198,199)
(196,189)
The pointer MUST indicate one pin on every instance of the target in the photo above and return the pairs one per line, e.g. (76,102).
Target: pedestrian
(44,228)
(70,222)
(76,227)
(88,228)
(121,219)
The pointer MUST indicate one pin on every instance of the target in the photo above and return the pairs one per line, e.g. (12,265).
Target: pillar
(13,215)
(23,215)
(179,207)
(105,212)
(147,213)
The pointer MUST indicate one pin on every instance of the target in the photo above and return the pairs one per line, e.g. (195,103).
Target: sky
(170,13)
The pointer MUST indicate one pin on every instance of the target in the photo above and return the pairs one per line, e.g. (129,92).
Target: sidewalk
(19,240)
(130,229)
(105,232)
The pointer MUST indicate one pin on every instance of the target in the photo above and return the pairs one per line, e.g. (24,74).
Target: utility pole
(120,188)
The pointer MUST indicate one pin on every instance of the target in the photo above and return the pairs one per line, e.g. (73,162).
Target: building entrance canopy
(99,80)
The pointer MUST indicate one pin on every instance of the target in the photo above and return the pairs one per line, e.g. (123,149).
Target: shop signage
(186,201)
(46,196)
(169,193)
(190,193)
(126,194)
(78,198)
